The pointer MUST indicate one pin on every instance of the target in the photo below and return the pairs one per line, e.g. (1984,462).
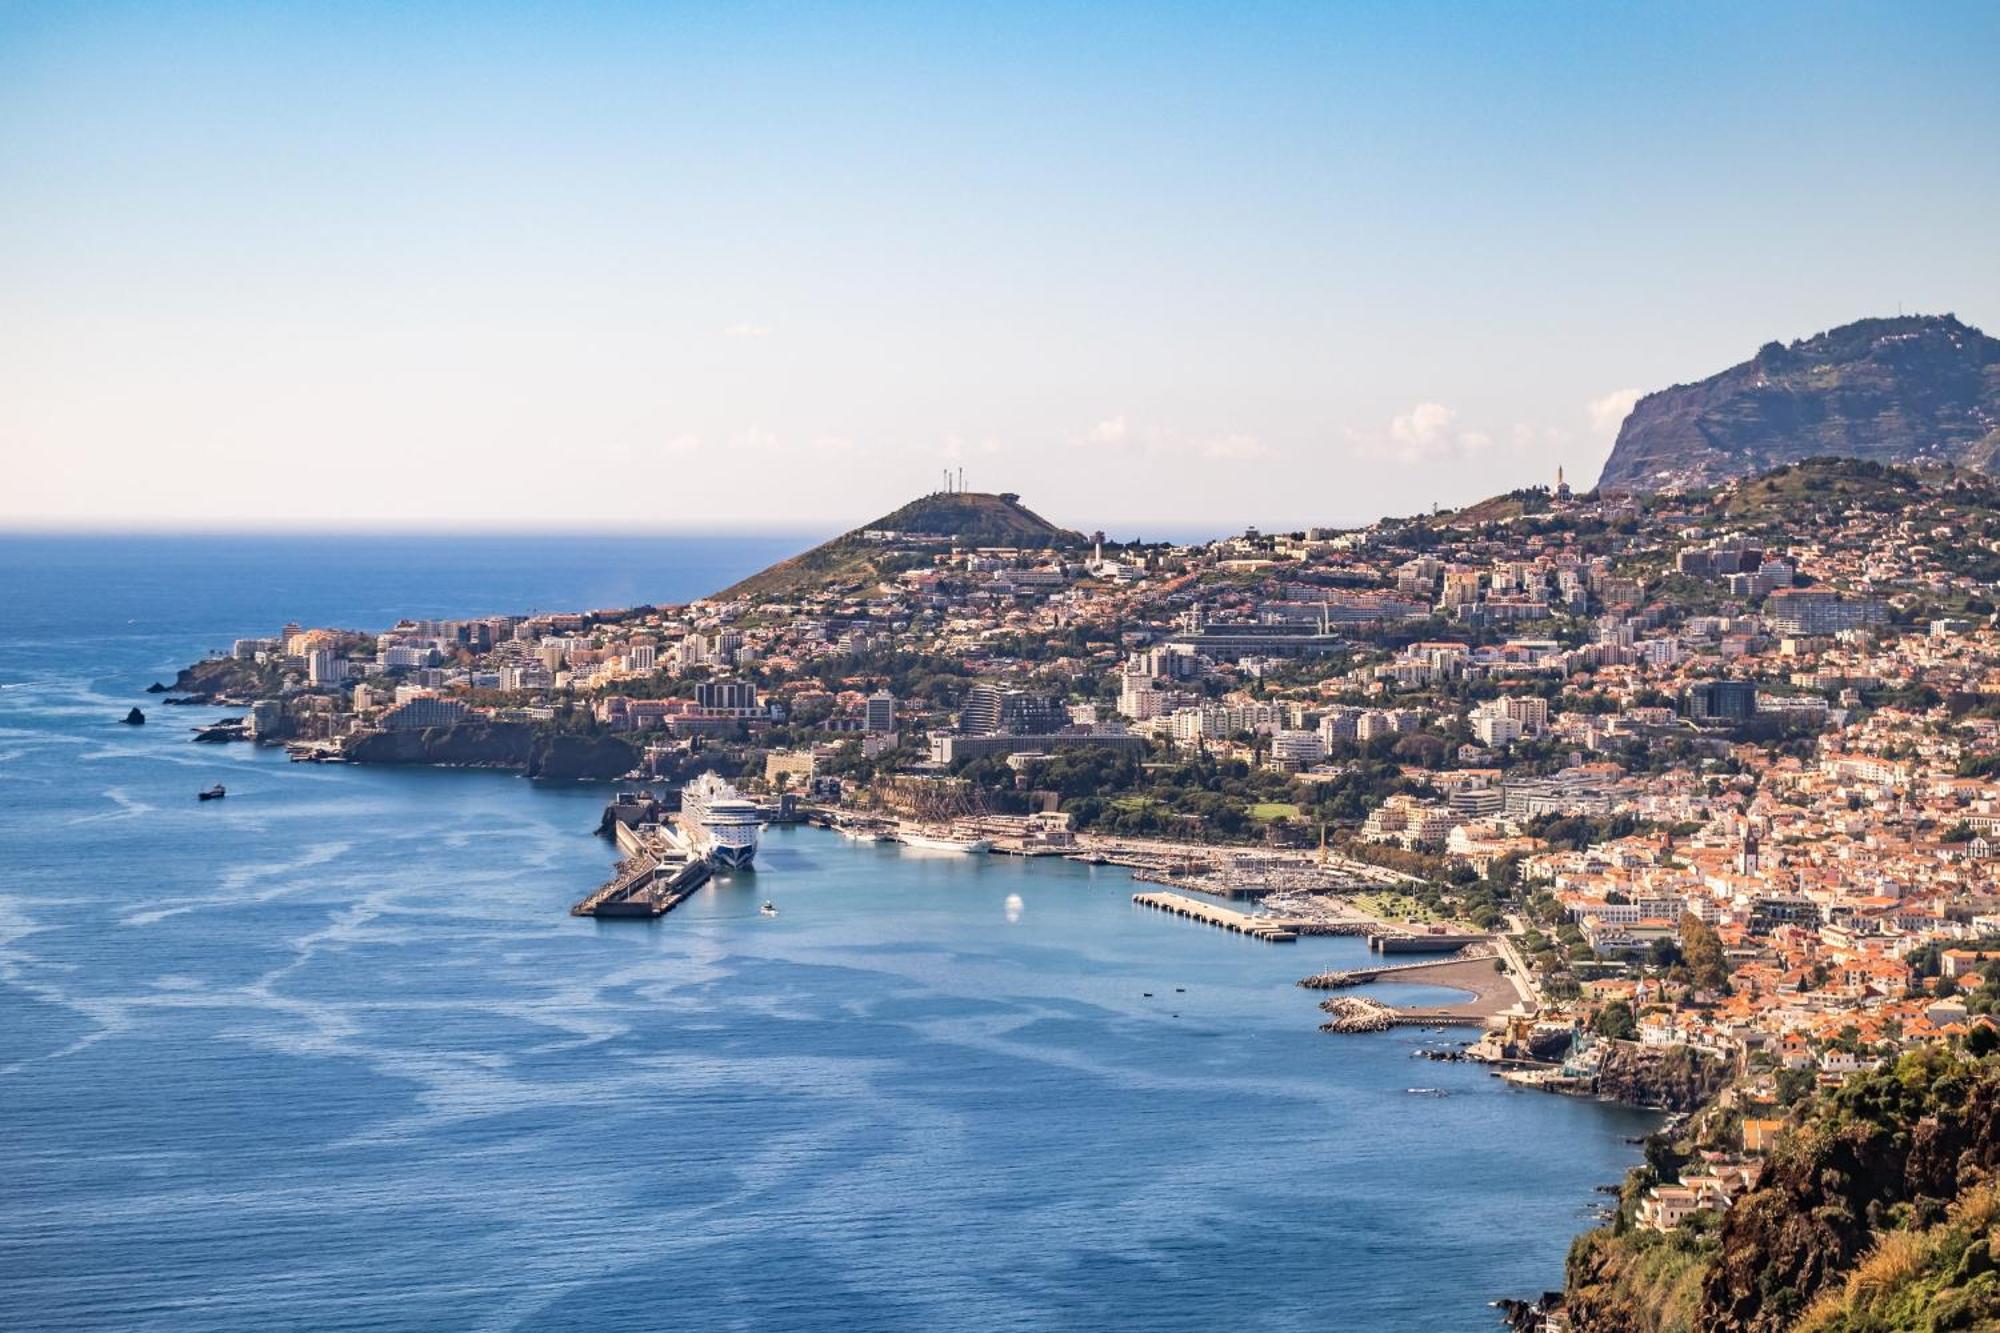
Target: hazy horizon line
(11,530)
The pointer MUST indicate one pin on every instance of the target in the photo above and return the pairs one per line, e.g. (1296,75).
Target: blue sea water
(330,1054)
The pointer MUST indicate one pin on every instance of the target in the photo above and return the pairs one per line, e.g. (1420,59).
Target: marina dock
(1272,929)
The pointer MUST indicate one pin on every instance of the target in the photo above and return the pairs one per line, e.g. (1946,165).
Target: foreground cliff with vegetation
(1877,1210)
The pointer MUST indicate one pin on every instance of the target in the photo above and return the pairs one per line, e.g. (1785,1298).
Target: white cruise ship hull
(728,857)
(925,843)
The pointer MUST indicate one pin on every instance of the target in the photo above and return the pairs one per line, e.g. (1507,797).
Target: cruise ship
(958,840)
(720,822)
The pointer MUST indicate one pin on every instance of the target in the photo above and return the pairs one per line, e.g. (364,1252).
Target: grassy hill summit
(857,559)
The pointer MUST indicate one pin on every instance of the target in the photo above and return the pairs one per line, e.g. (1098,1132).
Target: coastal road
(1517,968)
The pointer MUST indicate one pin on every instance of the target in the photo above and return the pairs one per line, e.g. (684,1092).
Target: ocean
(330,1053)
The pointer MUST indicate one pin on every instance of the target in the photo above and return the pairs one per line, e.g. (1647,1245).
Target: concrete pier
(1266,928)
(1359,976)
(649,883)
(1397,941)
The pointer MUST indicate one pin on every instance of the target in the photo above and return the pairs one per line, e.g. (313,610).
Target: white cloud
(746,329)
(1114,431)
(1608,413)
(1234,448)
(1423,427)
(1427,433)
(958,448)
(1120,432)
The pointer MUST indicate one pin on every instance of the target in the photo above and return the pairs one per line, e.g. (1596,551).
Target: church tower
(1747,859)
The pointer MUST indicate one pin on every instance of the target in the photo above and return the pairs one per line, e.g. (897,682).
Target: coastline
(405,875)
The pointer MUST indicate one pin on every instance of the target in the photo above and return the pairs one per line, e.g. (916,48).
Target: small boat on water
(860,834)
(769,908)
(215,793)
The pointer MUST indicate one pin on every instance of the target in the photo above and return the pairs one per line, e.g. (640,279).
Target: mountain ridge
(1901,389)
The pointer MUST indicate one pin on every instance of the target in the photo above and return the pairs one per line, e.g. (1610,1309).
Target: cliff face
(1876,1212)
(1671,1078)
(1910,389)
(559,757)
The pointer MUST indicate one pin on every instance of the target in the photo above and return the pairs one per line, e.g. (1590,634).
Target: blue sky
(654,266)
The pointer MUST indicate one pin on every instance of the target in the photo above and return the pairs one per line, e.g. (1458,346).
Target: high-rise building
(422,712)
(726,696)
(879,713)
(1807,611)
(991,710)
(1531,711)
(1139,698)
(1721,700)
(323,668)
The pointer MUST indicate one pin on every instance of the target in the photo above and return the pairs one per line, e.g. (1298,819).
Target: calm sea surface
(330,1054)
